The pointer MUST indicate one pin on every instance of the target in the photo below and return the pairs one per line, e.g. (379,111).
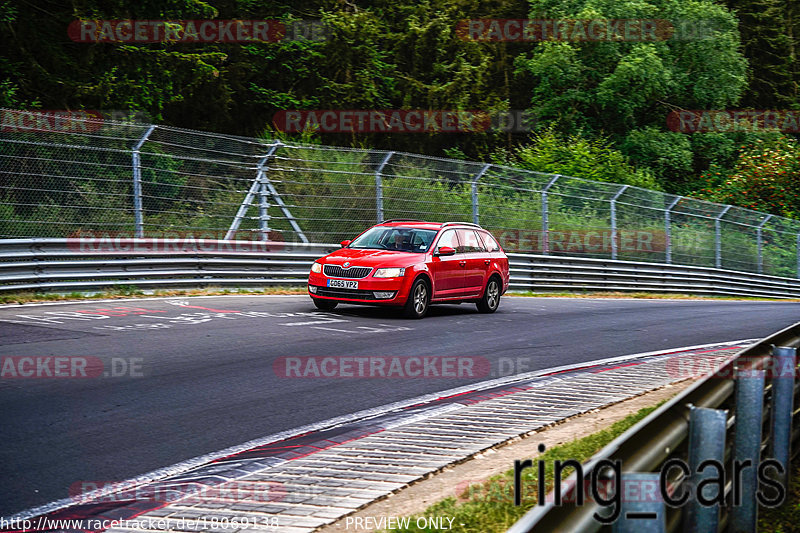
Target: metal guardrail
(720,417)
(65,265)
(555,273)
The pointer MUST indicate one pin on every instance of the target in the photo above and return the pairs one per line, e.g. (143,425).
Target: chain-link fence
(73,177)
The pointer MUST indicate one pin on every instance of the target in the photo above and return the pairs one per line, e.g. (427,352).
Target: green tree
(577,156)
(770,32)
(615,86)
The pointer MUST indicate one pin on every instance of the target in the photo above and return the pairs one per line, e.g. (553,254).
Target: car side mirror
(446,250)
(345,244)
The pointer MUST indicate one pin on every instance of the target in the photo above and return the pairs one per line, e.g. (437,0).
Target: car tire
(491,296)
(325,305)
(419,299)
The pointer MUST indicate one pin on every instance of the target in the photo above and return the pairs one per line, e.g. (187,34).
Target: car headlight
(316,268)
(389,273)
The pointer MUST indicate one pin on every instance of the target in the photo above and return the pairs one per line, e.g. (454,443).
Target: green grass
(489,507)
(786,518)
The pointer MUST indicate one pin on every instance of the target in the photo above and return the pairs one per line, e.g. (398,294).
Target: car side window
(448,238)
(491,244)
(469,241)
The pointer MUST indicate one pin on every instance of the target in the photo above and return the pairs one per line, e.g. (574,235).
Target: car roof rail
(462,224)
(402,220)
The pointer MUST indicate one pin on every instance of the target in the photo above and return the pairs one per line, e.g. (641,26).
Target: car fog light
(312,289)
(383,295)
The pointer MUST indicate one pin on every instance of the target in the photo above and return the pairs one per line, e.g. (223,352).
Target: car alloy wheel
(418,300)
(491,297)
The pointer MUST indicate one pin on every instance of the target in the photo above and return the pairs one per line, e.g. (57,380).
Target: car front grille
(335,271)
(356,294)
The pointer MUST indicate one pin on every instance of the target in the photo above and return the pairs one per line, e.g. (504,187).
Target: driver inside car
(401,241)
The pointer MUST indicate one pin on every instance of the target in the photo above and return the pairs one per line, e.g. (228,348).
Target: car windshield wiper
(373,247)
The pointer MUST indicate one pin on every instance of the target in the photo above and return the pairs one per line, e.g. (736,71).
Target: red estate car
(412,264)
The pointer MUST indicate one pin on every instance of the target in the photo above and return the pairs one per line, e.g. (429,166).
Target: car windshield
(395,238)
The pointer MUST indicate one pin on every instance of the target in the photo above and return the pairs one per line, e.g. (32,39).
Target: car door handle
(487,261)
(462,263)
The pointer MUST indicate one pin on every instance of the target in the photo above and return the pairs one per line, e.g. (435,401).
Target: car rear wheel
(419,299)
(325,305)
(491,297)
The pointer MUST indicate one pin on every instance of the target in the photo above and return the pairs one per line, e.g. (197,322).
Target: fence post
(759,244)
(379,188)
(718,237)
(643,515)
(263,204)
(668,230)
(138,211)
(475,181)
(783,369)
(546,217)
(706,452)
(749,397)
(798,255)
(614,221)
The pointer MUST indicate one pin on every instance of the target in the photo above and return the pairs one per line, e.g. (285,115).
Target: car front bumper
(383,291)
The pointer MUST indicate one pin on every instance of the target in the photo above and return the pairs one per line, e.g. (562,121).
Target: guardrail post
(747,449)
(668,230)
(641,507)
(783,370)
(759,244)
(475,181)
(706,448)
(614,221)
(546,217)
(379,188)
(138,211)
(718,237)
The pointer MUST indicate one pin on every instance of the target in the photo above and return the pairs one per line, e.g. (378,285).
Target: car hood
(373,258)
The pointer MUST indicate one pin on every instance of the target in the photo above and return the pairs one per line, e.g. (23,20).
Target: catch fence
(94,179)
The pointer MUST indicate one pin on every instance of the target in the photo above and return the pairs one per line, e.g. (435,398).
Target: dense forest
(603,109)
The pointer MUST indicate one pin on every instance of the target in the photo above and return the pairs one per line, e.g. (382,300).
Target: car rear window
(469,241)
(491,244)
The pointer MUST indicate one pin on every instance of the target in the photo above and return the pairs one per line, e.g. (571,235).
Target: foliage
(668,154)
(617,86)
(765,178)
(577,156)
(770,32)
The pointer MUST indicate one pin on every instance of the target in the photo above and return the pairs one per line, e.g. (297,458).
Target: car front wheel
(419,299)
(491,297)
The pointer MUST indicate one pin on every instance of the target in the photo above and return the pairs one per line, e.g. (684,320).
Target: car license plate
(342,284)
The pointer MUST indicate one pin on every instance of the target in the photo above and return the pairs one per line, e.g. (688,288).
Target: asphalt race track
(178,378)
